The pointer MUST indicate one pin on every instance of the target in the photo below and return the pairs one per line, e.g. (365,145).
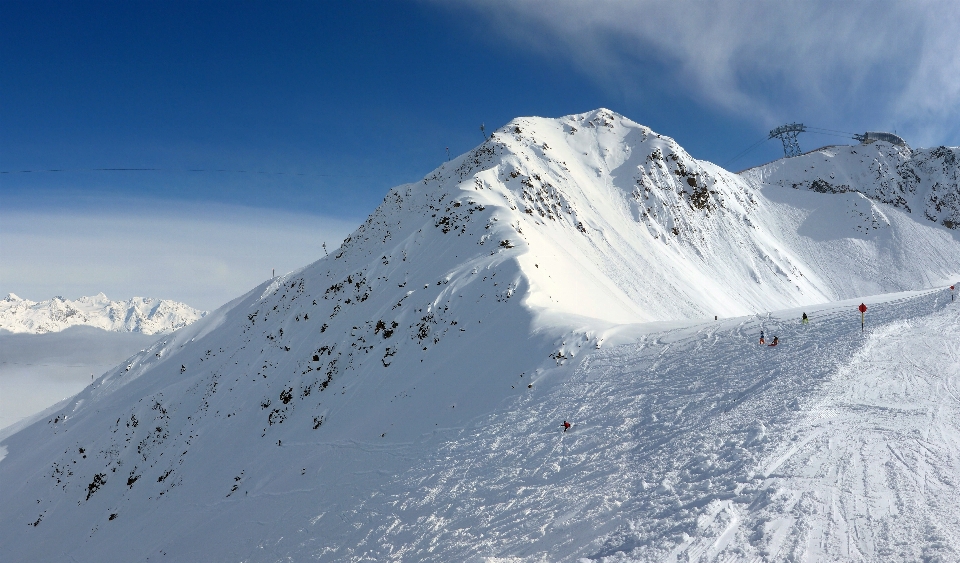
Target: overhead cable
(745,151)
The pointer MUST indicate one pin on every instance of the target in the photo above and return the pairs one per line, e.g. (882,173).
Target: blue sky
(316,109)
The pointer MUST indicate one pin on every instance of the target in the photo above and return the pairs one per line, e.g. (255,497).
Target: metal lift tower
(788,135)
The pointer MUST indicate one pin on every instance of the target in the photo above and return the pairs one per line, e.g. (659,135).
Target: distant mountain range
(139,314)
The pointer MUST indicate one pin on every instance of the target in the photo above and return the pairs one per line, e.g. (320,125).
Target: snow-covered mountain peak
(102,298)
(468,304)
(139,314)
(596,209)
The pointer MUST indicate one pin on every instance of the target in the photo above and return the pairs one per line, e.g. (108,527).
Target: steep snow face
(139,314)
(924,182)
(325,413)
(612,221)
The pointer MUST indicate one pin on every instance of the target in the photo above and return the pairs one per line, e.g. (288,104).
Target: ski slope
(697,443)
(693,442)
(402,398)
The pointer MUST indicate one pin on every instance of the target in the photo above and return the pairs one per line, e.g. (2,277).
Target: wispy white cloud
(202,255)
(856,64)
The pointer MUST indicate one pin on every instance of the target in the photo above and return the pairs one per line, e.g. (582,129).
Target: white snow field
(402,400)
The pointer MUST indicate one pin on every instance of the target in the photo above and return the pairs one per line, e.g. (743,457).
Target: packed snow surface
(403,398)
(139,314)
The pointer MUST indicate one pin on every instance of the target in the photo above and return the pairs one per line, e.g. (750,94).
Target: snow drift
(401,399)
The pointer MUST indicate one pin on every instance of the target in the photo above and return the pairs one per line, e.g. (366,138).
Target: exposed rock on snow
(139,314)
(402,398)
(924,182)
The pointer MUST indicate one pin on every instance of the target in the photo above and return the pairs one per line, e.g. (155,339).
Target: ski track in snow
(700,445)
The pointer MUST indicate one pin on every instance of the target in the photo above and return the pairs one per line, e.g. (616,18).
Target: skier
(774,343)
(804,320)
(762,341)
(566,426)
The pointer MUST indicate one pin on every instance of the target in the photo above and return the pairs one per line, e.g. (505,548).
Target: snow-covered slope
(401,399)
(615,222)
(925,182)
(139,314)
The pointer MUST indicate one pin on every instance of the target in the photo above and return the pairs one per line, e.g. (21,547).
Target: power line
(832,130)
(181,171)
(830,134)
(748,149)
(816,130)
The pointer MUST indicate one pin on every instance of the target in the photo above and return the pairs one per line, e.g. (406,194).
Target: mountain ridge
(345,392)
(925,182)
